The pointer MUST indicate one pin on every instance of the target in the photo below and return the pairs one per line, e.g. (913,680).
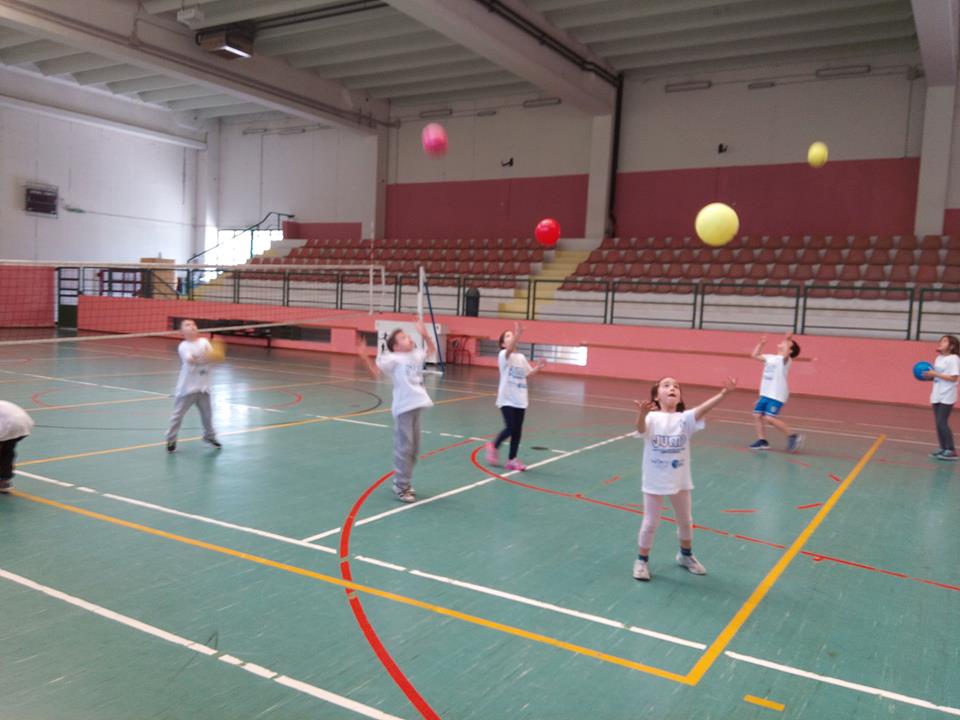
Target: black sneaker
(760,445)
(172,446)
(5,486)
(214,443)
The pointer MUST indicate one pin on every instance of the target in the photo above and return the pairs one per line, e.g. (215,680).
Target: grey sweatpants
(181,404)
(406,447)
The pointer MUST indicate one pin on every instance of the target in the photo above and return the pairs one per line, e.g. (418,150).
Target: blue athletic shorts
(767,406)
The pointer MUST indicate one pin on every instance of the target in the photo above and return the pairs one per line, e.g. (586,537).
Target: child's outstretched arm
(537,367)
(511,346)
(643,408)
(368,363)
(703,408)
(428,339)
(757,353)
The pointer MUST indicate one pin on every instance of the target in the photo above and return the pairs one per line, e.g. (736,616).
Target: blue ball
(920,368)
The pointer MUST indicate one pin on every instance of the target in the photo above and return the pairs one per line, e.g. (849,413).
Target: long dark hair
(502,336)
(392,339)
(954,344)
(655,393)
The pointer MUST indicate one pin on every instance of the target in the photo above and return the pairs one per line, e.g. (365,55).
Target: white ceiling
(384,53)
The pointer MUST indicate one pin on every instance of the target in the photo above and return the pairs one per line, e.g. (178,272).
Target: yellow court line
(357,587)
(260,428)
(726,635)
(763,702)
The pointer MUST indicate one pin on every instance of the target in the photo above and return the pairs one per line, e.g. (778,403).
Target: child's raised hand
(929,374)
(763,339)
(730,384)
(540,364)
(421,329)
(645,406)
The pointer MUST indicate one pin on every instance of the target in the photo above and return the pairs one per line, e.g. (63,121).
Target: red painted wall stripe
(486,208)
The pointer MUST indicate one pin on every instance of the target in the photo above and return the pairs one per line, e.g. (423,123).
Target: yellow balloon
(817,154)
(218,350)
(717,224)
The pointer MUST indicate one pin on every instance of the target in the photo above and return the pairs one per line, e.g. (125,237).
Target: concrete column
(935,160)
(598,187)
(379,227)
(206,212)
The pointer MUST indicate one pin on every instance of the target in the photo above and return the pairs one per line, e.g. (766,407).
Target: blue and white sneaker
(794,443)
(936,454)
(948,456)
(760,445)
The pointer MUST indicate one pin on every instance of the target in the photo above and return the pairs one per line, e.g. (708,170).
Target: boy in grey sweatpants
(403,362)
(193,385)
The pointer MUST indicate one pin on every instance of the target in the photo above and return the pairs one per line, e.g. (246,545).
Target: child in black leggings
(15,425)
(512,396)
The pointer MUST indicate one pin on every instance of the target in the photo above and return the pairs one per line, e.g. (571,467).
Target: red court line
(356,606)
(35,398)
(611,481)
(297,399)
(808,507)
(631,508)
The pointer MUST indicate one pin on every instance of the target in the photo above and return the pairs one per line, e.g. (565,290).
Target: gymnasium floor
(209,583)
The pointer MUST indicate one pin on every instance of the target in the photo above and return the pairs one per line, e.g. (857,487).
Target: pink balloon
(434,139)
(547,232)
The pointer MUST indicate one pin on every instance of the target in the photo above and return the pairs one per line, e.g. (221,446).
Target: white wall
(866,117)
(137,195)
(543,142)
(326,175)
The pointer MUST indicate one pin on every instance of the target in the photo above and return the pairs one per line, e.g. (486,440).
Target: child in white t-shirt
(943,394)
(774,392)
(403,363)
(193,385)
(512,396)
(666,427)
(15,425)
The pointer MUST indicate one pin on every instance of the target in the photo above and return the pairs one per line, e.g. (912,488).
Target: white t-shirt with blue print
(666,451)
(406,371)
(514,369)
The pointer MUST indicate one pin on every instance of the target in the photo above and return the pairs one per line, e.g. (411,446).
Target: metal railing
(869,310)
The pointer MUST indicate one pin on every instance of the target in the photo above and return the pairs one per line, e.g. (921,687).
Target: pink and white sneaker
(493,456)
(515,465)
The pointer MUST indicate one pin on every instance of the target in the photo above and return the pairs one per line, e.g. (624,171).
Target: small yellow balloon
(817,154)
(717,224)
(218,350)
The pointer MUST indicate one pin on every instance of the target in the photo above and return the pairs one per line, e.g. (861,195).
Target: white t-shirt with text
(944,391)
(514,369)
(194,376)
(666,451)
(14,421)
(406,372)
(774,382)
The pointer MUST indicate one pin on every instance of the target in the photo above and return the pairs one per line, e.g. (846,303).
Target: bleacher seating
(490,262)
(867,267)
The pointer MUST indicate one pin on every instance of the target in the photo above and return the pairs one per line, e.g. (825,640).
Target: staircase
(563,264)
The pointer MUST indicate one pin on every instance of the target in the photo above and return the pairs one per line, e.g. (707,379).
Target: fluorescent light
(442,112)
(843,71)
(761,85)
(688,86)
(542,102)
(230,44)
(486,113)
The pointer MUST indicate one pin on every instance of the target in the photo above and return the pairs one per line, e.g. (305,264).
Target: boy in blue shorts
(774,392)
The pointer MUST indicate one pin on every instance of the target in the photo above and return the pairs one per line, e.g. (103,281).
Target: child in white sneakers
(774,392)
(193,385)
(512,398)
(666,427)
(403,362)
(943,394)
(15,425)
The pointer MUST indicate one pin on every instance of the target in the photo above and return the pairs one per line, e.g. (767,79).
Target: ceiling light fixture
(541,102)
(844,71)
(688,86)
(442,112)
(229,43)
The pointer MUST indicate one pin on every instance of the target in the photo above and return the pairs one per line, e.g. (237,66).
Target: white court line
(857,687)
(169,637)
(464,488)
(180,513)
(834,432)
(885,694)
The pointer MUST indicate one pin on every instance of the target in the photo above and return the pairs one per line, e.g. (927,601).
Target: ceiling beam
(74,63)
(496,78)
(228,110)
(174,93)
(706,22)
(338,37)
(328,23)
(834,27)
(734,50)
(235,11)
(115,28)
(206,101)
(151,82)
(475,66)
(445,99)
(937,22)
(34,52)
(469,23)
(111,73)
(420,42)
(403,61)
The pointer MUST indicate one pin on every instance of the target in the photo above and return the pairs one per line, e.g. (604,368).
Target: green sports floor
(278,578)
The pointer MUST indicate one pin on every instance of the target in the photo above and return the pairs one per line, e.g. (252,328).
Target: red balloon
(547,232)
(434,140)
